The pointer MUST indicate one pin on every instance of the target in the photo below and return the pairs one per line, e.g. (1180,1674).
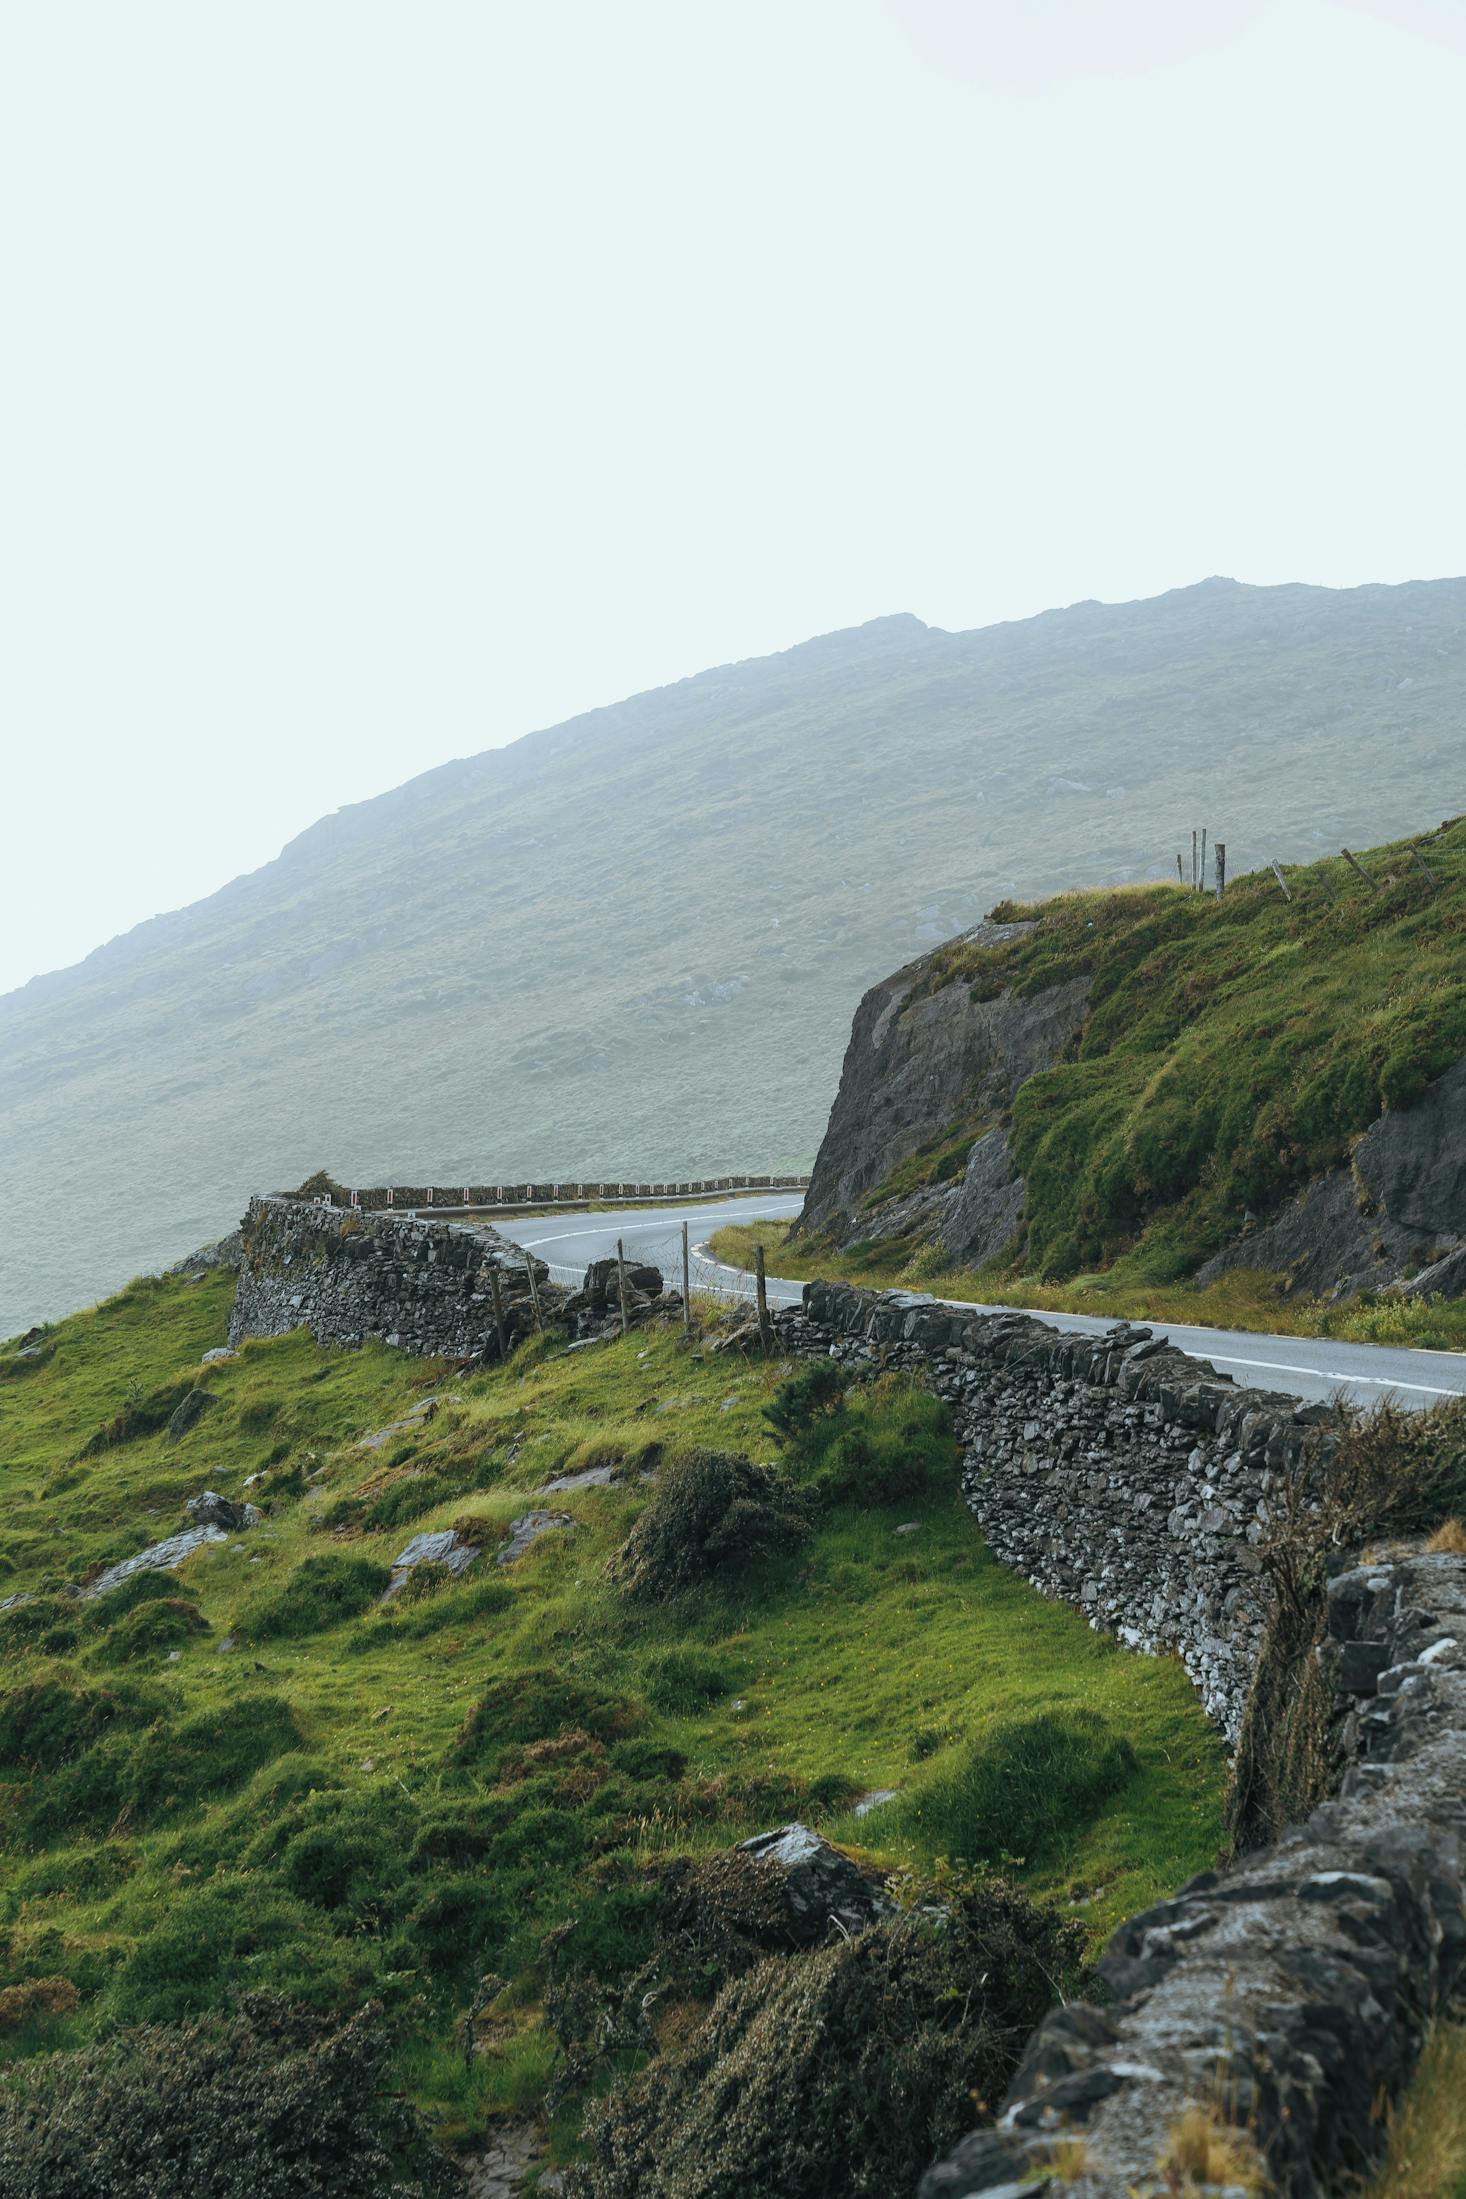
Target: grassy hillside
(632,945)
(1234,1050)
(251,1774)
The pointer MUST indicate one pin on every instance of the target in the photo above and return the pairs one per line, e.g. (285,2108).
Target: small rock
(822,1887)
(219,1353)
(212,1510)
(527,1529)
(908,1527)
(874,1800)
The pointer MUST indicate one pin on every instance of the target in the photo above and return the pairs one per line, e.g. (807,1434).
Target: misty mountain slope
(633,943)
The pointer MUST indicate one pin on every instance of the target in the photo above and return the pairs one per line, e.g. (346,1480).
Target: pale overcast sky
(380,383)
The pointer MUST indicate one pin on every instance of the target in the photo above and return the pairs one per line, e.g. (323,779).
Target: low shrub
(145,1587)
(269,2100)
(139,1414)
(150,1630)
(712,1516)
(319,1593)
(843,2070)
(129,1778)
(1019,1786)
(884,1442)
(537,1706)
(36,2000)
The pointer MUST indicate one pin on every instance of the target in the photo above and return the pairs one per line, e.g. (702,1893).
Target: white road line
(1330,1374)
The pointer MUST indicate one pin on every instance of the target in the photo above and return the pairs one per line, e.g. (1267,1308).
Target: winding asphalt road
(1312,1368)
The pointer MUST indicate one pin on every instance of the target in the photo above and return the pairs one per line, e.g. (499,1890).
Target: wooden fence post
(1355,864)
(686,1286)
(1430,874)
(534,1290)
(1221,868)
(1282,881)
(1193,861)
(1203,859)
(1180,874)
(621,1280)
(761,1286)
(498,1295)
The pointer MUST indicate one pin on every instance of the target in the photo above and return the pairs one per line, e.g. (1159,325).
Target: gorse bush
(836,2074)
(711,1517)
(884,1442)
(271,2101)
(1019,1786)
(150,1630)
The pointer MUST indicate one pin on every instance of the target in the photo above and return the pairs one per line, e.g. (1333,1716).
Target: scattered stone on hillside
(444,1547)
(218,1354)
(224,1252)
(188,1412)
(822,1887)
(908,1527)
(594,1477)
(595,1309)
(212,1510)
(502,2170)
(877,1797)
(159,1557)
(527,1529)
(602,1285)
(12,1603)
(416,1417)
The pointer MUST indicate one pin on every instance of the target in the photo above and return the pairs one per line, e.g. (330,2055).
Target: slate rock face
(823,1891)
(915,1063)
(159,1557)
(441,1547)
(988,1208)
(1396,1217)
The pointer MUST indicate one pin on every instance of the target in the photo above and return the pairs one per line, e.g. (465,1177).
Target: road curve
(1314,1369)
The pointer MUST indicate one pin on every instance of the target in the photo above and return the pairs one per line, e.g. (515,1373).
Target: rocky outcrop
(918,1062)
(821,1890)
(1395,1218)
(1291,1993)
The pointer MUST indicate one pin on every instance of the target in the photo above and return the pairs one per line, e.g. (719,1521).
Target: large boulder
(601,1287)
(212,1510)
(823,1891)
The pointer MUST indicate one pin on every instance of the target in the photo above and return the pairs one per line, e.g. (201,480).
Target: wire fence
(663,1249)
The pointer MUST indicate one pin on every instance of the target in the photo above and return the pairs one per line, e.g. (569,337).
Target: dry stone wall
(422,1286)
(1112,1471)
(1288,1995)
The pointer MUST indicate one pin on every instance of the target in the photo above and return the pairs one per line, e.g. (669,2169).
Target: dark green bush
(884,1442)
(712,1516)
(150,1630)
(535,1706)
(1024,1782)
(145,1587)
(836,2074)
(320,1593)
(271,2100)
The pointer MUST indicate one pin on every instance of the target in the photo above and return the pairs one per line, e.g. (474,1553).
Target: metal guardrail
(463,1198)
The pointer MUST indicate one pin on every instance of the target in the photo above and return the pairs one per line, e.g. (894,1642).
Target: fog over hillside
(632,944)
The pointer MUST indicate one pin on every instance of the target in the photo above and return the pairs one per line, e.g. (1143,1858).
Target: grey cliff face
(918,1062)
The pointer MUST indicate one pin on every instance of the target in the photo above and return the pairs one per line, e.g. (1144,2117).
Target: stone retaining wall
(1288,1996)
(1112,1471)
(422,1286)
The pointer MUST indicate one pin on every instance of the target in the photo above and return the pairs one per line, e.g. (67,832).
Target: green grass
(355,1802)
(1425,2151)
